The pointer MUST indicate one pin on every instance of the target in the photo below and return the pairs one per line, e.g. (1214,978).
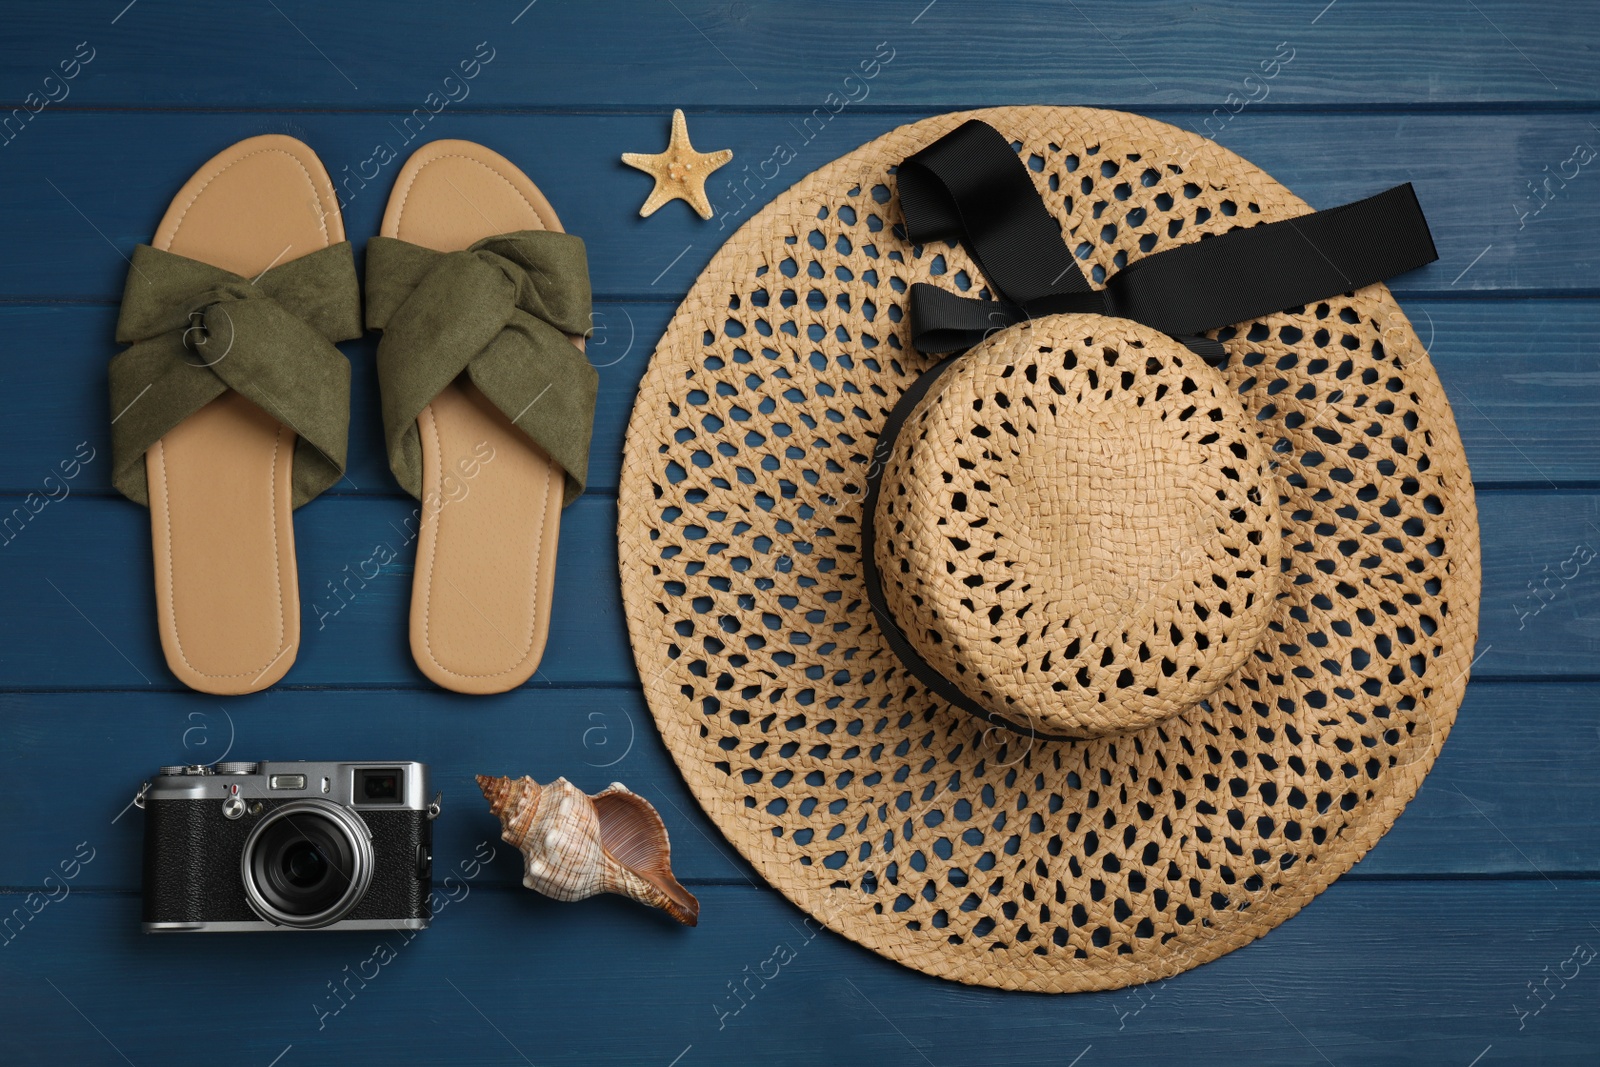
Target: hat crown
(1078,527)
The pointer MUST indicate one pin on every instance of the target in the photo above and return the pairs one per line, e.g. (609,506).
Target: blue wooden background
(1468,936)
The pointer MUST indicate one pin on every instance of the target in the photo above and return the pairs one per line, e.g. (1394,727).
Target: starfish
(680,172)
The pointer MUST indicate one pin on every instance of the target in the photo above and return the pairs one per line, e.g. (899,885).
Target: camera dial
(234,767)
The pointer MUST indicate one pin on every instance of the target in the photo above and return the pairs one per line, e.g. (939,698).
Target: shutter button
(233,803)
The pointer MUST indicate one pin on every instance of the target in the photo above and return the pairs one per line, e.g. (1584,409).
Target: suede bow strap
(502,311)
(197,331)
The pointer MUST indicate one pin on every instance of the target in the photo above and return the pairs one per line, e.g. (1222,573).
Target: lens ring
(322,827)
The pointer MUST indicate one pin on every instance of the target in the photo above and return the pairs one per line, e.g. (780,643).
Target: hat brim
(959,848)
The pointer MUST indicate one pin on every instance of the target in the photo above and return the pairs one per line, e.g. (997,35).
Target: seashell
(576,845)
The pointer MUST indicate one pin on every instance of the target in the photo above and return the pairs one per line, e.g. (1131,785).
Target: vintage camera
(235,847)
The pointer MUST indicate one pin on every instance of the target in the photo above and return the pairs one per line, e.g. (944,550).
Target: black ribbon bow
(970,186)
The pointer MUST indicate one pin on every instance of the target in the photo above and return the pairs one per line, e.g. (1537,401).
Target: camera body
(237,847)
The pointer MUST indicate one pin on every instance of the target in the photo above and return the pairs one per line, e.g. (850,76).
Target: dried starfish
(680,172)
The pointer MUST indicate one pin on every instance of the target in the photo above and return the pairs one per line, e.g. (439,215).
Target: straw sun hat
(1093,654)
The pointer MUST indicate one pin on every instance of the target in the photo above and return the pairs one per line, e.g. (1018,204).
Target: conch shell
(576,845)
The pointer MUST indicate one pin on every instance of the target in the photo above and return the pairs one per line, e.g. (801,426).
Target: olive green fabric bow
(197,331)
(502,311)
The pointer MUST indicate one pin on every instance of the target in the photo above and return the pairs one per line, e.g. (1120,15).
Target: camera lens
(304,865)
(307,864)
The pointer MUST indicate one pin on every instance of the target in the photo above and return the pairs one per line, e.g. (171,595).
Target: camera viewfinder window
(377,786)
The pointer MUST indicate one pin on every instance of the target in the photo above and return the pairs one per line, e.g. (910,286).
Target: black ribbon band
(971,186)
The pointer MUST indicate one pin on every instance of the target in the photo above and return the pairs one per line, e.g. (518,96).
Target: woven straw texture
(1077,526)
(968,851)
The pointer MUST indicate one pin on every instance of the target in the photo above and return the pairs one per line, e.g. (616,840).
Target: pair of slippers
(231,407)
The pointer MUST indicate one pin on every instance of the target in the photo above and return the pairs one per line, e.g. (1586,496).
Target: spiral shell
(576,845)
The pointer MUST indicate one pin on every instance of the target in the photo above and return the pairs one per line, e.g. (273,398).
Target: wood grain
(71,191)
(1395,973)
(756,54)
(1520,374)
(1481,812)
(1422,954)
(91,552)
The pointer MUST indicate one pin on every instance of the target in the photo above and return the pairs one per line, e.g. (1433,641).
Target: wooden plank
(1513,792)
(592,737)
(1370,973)
(92,567)
(79,567)
(354,626)
(768,54)
(1524,383)
(1520,373)
(68,196)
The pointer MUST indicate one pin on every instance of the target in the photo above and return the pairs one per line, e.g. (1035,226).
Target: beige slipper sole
(491,498)
(221,492)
